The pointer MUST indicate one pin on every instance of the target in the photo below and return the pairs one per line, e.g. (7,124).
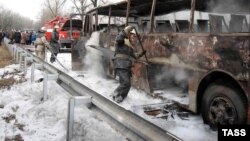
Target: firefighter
(41,44)
(123,59)
(54,44)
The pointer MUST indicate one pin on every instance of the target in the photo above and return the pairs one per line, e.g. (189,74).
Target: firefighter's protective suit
(40,45)
(123,60)
(54,44)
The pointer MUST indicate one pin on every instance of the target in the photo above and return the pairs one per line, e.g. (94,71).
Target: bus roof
(143,7)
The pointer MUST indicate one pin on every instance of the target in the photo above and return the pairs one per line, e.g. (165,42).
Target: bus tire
(223,105)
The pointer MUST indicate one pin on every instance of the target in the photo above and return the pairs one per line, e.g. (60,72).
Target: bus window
(216,24)
(182,25)
(236,23)
(163,26)
(203,25)
(145,26)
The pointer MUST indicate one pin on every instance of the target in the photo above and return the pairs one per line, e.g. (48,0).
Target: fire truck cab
(66,35)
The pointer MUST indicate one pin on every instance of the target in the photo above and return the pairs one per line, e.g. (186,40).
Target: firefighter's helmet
(43,28)
(128,29)
(56,26)
(133,31)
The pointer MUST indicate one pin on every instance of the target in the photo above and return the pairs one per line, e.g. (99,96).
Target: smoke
(236,7)
(93,40)
(217,7)
(229,6)
(170,77)
(93,58)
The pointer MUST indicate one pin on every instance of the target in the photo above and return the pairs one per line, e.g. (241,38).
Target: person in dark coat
(1,37)
(54,44)
(27,38)
(123,59)
(33,37)
(17,37)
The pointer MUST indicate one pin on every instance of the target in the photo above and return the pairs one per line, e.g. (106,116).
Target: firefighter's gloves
(52,59)
(127,42)
(128,29)
(141,54)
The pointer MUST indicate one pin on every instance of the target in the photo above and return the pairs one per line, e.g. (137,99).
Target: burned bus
(200,46)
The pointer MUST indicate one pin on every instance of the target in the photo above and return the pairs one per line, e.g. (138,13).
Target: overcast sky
(28,8)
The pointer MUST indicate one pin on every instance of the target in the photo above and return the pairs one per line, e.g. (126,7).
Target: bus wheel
(223,105)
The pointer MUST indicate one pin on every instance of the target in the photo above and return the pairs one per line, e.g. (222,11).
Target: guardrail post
(47,77)
(22,61)
(46,60)
(33,67)
(26,59)
(13,51)
(12,47)
(17,55)
(73,102)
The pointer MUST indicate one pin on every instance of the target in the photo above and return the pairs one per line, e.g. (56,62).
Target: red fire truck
(66,34)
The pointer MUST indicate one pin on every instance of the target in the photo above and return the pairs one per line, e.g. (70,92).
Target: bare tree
(55,6)
(11,20)
(94,2)
(45,16)
(80,5)
(50,10)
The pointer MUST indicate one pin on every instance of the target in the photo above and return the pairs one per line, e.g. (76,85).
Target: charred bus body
(211,66)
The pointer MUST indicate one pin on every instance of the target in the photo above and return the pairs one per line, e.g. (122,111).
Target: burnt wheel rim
(222,112)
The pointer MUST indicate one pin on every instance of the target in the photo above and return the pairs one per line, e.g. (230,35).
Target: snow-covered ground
(23,113)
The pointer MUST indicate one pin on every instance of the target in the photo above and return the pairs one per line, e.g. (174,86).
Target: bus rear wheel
(223,105)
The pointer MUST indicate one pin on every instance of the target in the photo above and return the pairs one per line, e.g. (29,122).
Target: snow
(47,120)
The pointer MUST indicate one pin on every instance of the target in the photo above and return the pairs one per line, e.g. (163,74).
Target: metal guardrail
(141,127)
